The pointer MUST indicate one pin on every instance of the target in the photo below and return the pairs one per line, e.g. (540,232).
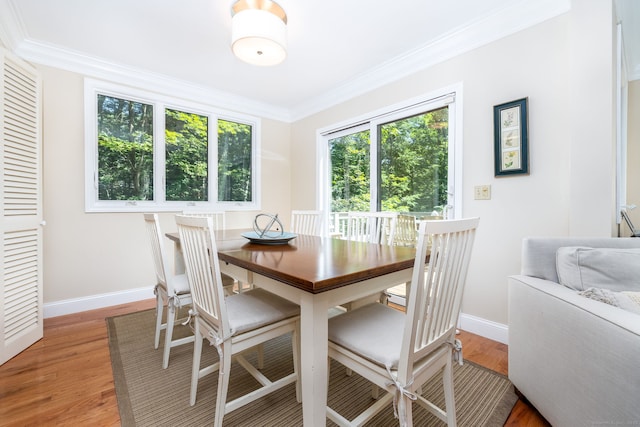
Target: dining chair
(170,290)
(306,222)
(219,223)
(372,227)
(406,234)
(218,217)
(406,231)
(234,323)
(399,352)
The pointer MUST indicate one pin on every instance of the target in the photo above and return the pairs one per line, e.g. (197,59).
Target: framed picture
(510,132)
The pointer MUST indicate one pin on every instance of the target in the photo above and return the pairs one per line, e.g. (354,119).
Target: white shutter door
(21,203)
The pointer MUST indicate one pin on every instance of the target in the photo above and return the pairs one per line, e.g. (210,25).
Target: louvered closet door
(21,200)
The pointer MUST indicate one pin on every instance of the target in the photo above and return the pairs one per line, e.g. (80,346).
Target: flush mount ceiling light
(259,32)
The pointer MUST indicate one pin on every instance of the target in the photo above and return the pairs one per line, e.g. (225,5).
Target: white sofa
(575,359)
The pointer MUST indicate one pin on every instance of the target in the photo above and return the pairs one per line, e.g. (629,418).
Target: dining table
(317,273)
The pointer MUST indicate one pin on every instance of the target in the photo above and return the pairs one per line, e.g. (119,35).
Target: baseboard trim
(92,302)
(485,328)
(476,325)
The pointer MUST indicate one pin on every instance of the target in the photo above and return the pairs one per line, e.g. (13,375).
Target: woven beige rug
(151,396)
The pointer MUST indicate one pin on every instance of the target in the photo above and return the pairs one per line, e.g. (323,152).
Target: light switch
(482,192)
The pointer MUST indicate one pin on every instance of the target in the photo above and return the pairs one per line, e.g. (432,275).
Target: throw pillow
(629,301)
(580,268)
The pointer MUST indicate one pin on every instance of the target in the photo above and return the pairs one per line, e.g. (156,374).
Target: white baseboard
(485,328)
(92,302)
(476,325)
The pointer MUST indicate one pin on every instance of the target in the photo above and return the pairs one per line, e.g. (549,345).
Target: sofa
(574,353)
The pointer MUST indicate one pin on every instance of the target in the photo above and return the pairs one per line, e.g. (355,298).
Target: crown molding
(12,30)
(54,56)
(514,18)
(510,20)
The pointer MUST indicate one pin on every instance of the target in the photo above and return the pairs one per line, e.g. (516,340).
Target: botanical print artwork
(511,159)
(510,130)
(510,117)
(511,140)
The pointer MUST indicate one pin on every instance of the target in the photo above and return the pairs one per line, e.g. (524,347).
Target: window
(401,159)
(145,151)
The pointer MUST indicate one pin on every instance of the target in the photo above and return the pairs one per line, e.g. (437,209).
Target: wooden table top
(313,264)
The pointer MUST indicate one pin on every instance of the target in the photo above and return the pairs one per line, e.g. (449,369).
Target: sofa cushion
(580,268)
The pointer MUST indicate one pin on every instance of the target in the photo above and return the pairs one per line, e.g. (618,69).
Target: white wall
(536,63)
(633,154)
(90,254)
(592,116)
(569,190)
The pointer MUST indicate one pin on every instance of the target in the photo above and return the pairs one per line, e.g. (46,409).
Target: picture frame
(510,129)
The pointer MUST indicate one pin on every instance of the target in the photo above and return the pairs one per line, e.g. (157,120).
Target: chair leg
(260,355)
(168,333)
(375,392)
(449,401)
(223,384)
(295,341)
(408,410)
(195,369)
(159,310)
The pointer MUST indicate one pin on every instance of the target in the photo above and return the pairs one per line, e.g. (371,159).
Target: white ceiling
(337,49)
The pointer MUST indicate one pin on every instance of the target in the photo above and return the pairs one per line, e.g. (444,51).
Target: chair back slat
(436,287)
(372,227)
(406,233)
(358,225)
(306,222)
(157,249)
(203,269)
(218,217)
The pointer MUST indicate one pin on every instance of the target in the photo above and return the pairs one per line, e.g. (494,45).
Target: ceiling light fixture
(259,32)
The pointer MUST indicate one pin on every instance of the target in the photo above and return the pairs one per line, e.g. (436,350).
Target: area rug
(151,396)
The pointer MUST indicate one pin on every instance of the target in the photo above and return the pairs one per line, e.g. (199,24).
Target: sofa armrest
(575,359)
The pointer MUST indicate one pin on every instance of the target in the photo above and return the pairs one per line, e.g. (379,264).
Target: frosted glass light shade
(259,37)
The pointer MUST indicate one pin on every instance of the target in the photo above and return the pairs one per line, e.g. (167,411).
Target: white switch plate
(482,192)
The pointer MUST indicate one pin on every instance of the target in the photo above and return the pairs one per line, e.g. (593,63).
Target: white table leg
(313,324)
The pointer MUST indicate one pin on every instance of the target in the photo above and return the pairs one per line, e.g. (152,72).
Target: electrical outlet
(482,192)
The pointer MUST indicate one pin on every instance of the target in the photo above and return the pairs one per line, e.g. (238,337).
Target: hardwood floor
(65,379)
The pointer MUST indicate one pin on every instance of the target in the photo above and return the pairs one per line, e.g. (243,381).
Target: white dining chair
(234,323)
(406,234)
(399,352)
(406,231)
(371,227)
(306,222)
(229,284)
(170,290)
(218,217)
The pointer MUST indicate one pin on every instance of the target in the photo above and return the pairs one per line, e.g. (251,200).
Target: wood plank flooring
(65,379)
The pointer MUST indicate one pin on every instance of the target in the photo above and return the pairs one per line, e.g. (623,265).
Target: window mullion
(159,154)
(213,159)
(374,170)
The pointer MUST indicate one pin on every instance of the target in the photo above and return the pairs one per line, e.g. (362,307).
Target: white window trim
(450,95)
(160,102)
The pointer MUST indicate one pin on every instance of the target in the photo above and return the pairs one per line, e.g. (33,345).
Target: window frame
(161,103)
(450,96)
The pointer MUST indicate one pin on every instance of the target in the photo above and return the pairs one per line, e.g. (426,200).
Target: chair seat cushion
(255,308)
(181,284)
(373,331)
